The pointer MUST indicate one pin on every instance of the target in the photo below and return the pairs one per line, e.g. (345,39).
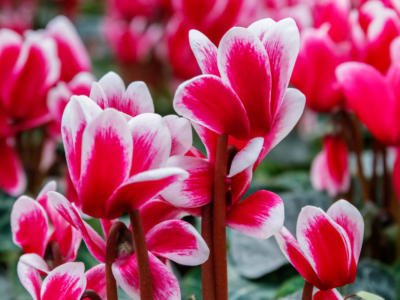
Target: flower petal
(68,211)
(327,245)
(109,91)
(165,284)
(350,219)
(244,63)
(151,142)
(106,160)
(77,114)
(367,91)
(140,188)
(66,282)
(259,215)
(137,99)
(181,134)
(327,295)
(12,175)
(35,261)
(186,248)
(194,191)
(247,156)
(208,101)
(29,278)
(205,52)
(29,225)
(96,280)
(291,249)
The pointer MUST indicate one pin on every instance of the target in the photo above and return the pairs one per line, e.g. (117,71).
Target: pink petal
(181,134)
(29,225)
(259,215)
(282,42)
(106,160)
(151,142)
(81,83)
(96,280)
(350,219)
(137,99)
(367,91)
(244,63)
(327,295)
(205,52)
(12,175)
(209,139)
(286,118)
(66,282)
(140,188)
(68,211)
(109,91)
(35,261)
(156,211)
(327,245)
(30,279)
(165,284)
(71,51)
(246,157)
(318,172)
(240,183)
(186,248)
(291,249)
(197,100)
(80,111)
(395,50)
(195,191)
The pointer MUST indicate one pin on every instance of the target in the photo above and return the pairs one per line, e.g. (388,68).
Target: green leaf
(290,286)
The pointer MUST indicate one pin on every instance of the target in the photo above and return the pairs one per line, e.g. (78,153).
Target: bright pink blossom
(330,168)
(36,226)
(174,240)
(328,245)
(116,148)
(327,295)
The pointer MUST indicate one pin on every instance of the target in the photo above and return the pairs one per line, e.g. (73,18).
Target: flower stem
(219,218)
(307,291)
(142,256)
(207,268)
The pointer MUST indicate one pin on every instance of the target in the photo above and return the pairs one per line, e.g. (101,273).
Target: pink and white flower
(328,245)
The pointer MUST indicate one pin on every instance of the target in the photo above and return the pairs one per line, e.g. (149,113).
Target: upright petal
(96,280)
(181,134)
(327,295)
(109,91)
(165,284)
(29,278)
(370,97)
(137,99)
(106,160)
(259,215)
(327,245)
(66,282)
(151,142)
(194,191)
(208,101)
(77,114)
(186,248)
(12,175)
(244,63)
(205,52)
(29,225)
(247,156)
(140,188)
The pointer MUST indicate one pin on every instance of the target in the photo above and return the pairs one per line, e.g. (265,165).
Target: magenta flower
(328,245)
(327,295)
(186,247)
(37,228)
(66,282)
(330,168)
(12,175)
(116,162)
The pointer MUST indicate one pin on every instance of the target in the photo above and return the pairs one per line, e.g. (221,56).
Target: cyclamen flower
(330,168)
(33,232)
(66,282)
(327,295)
(174,240)
(116,162)
(328,245)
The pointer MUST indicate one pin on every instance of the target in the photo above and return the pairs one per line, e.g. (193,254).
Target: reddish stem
(307,291)
(207,268)
(142,256)
(219,218)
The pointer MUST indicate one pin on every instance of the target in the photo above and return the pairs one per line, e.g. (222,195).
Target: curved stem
(219,218)
(142,256)
(207,268)
(307,291)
